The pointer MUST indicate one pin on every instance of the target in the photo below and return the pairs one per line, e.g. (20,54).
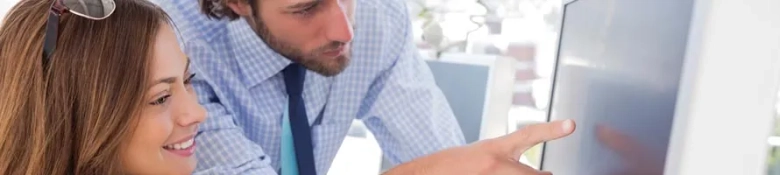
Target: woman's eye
(189,79)
(160,100)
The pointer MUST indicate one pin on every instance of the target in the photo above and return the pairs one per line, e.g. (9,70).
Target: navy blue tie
(294,75)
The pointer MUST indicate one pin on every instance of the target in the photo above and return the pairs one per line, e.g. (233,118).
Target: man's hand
(489,157)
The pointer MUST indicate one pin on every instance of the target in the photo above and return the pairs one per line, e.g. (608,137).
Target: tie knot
(294,75)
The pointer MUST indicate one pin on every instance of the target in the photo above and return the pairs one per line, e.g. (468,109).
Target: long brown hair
(71,114)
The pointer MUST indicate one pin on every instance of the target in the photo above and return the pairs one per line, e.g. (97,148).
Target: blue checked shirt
(387,86)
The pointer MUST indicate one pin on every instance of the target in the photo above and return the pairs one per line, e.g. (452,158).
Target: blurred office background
(773,164)
(503,53)
(494,61)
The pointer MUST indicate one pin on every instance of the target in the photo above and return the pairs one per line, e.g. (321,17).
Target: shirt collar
(257,61)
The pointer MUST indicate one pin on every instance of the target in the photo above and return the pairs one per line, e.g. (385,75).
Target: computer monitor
(465,87)
(618,68)
(479,90)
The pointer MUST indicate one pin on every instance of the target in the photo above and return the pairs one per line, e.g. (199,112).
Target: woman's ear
(240,7)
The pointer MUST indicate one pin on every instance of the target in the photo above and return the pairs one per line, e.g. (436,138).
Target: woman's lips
(185,148)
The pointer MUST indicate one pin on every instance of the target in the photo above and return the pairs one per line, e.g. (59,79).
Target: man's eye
(307,11)
(303,11)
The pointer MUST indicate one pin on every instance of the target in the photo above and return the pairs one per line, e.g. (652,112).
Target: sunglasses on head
(90,9)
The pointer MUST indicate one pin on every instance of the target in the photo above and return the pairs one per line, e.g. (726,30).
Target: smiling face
(163,140)
(315,33)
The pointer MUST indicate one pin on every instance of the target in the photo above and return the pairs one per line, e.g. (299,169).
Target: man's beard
(313,60)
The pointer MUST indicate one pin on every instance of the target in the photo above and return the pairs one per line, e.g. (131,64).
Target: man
(253,58)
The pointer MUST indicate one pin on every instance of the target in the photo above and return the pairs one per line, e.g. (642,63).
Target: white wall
(728,91)
(6,5)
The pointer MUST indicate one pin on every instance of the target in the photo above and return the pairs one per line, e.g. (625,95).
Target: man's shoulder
(387,21)
(391,12)
(190,22)
(381,31)
(383,5)
(199,35)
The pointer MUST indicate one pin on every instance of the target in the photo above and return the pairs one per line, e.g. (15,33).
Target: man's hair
(218,9)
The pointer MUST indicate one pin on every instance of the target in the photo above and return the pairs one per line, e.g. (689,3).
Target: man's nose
(339,26)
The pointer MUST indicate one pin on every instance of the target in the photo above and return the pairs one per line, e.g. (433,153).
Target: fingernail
(567,126)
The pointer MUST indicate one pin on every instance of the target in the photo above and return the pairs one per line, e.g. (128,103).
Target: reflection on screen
(617,75)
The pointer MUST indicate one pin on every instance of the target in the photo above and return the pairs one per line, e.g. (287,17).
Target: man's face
(315,33)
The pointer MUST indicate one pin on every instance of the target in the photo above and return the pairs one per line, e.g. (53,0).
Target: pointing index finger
(519,141)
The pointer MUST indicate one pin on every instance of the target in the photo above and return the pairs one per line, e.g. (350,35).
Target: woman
(110,95)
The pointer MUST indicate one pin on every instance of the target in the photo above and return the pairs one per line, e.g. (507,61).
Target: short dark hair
(218,9)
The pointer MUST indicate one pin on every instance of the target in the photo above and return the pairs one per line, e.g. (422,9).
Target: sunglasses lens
(95,9)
